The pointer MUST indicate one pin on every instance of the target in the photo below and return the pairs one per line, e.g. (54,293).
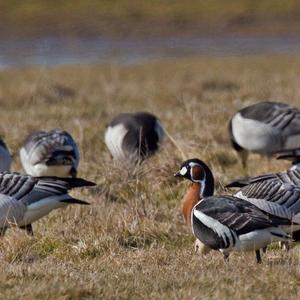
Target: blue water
(57,51)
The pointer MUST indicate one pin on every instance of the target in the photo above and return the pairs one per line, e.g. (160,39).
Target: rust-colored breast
(189,201)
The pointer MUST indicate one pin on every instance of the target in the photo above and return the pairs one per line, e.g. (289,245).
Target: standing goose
(5,157)
(52,153)
(133,136)
(266,128)
(25,199)
(227,223)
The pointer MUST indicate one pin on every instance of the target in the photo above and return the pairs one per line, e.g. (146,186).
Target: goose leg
(201,248)
(285,246)
(226,257)
(73,172)
(243,154)
(28,229)
(258,257)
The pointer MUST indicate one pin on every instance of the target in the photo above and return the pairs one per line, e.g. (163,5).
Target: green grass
(132,243)
(141,17)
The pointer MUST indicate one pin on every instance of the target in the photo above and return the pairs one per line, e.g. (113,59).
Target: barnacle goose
(276,193)
(25,199)
(52,153)
(133,136)
(266,128)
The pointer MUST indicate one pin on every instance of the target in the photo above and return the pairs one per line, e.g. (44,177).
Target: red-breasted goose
(52,153)
(266,128)
(133,136)
(228,223)
(25,199)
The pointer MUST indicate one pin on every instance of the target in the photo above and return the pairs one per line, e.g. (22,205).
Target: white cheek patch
(183,171)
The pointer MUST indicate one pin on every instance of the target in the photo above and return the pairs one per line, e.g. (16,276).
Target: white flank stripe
(220,229)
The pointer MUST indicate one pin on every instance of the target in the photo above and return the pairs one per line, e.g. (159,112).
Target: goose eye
(197,173)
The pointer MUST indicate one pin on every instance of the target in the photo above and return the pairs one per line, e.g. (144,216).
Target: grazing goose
(277,194)
(52,153)
(5,157)
(133,136)
(227,223)
(266,128)
(25,199)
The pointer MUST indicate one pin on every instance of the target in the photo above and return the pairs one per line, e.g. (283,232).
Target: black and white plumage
(230,223)
(25,199)
(266,128)
(52,153)
(133,136)
(227,223)
(5,157)
(293,156)
(277,194)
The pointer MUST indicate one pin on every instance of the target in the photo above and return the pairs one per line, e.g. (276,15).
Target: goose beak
(177,174)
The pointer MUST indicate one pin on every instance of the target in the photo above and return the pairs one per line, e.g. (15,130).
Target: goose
(266,128)
(52,153)
(5,157)
(228,223)
(25,199)
(275,193)
(133,136)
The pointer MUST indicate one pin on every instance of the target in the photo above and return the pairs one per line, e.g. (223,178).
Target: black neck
(209,183)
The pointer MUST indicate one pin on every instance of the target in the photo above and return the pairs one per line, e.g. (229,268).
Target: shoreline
(51,51)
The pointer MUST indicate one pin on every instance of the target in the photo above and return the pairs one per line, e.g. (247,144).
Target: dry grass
(132,242)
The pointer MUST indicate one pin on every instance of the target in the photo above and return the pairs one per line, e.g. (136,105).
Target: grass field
(141,17)
(131,243)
